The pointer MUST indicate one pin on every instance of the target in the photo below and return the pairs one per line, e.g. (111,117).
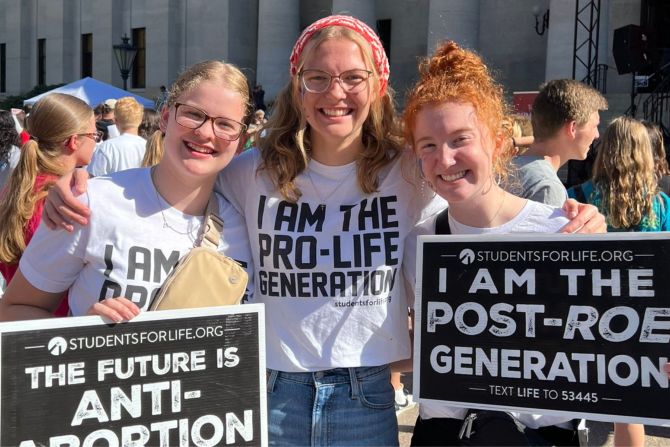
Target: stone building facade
(59,41)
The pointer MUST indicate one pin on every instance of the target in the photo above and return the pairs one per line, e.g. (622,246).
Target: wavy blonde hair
(210,70)
(624,174)
(285,149)
(454,74)
(53,120)
(657,149)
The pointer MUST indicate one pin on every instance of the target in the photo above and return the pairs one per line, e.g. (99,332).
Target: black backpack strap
(579,194)
(442,222)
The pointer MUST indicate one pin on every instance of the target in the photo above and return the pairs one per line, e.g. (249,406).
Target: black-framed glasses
(318,81)
(193,118)
(95,136)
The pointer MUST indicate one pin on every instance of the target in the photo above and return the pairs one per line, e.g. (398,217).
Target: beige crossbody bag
(203,277)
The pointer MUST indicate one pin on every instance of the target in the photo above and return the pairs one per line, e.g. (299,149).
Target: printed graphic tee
(126,249)
(328,267)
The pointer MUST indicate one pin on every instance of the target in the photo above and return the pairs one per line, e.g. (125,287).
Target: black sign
(177,378)
(553,324)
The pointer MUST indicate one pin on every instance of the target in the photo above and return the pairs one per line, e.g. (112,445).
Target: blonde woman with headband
(202,123)
(63,137)
(327,210)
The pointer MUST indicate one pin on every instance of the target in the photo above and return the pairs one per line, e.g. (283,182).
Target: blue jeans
(336,407)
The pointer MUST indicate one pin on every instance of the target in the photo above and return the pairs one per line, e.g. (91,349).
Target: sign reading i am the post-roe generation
(551,324)
(168,378)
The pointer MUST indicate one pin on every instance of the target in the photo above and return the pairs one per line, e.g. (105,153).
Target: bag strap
(213,225)
(442,222)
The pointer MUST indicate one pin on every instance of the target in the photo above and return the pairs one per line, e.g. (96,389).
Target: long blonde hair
(53,120)
(154,149)
(624,174)
(210,70)
(285,149)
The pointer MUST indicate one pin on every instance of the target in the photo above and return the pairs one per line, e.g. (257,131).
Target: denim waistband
(330,376)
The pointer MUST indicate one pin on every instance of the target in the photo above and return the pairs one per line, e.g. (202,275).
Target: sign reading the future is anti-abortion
(553,324)
(178,378)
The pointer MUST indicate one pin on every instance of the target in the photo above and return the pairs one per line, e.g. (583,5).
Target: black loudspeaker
(631,49)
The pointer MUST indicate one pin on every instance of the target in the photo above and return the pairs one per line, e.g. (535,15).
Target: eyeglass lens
(317,81)
(192,118)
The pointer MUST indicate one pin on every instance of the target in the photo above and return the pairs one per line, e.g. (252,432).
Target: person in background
(104,117)
(624,186)
(162,98)
(9,151)
(158,210)
(63,136)
(259,97)
(150,123)
(565,122)
(660,156)
(98,111)
(125,151)
(522,133)
(255,129)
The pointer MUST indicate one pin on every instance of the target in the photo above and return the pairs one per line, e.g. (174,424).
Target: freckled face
(449,142)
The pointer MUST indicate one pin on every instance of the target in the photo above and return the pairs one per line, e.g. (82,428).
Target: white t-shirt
(117,154)
(534,218)
(329,275)
(125,250)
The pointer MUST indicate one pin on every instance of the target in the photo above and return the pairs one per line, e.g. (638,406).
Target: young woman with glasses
(142,216)
(327,210)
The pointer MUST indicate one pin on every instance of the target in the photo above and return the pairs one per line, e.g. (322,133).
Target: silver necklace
(166,225)
(324,200)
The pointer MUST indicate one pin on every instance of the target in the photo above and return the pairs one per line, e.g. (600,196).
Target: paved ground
(600,433)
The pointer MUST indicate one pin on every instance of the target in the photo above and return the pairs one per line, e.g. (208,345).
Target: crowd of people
(334,148)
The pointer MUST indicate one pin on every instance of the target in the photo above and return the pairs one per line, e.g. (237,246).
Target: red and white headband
(378,53)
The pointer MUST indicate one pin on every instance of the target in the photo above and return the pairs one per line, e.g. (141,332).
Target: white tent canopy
(93,92)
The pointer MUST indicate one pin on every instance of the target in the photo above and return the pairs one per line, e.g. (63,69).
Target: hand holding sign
(116,309)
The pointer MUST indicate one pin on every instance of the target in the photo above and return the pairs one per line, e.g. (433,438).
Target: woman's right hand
(61,208)
(117,309)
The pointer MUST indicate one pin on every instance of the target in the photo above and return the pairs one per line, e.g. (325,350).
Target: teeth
(452,177)
(200,149)
(335,112)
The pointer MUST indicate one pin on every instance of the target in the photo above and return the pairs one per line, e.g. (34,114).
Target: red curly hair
(454,74)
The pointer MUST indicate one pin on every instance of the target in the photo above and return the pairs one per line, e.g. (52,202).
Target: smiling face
(336,116)
(448,140)
(198,152)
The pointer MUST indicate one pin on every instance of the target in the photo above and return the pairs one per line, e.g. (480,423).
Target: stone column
(560,41)
(361,9)
(278,29)
(456,20)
